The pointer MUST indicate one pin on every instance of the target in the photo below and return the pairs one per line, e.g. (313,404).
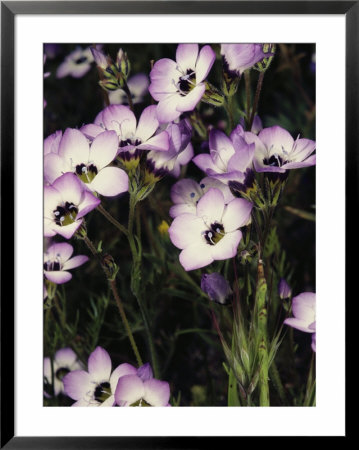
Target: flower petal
(210,207)
(99,365)
(227,247)
(69,187)
(148,123)
(88,203)
(157,392)
(221,149)
(61,250)
(300,325)
(91,130)
(166,108)
(67,231)
(77,384)
(160,142)
(236,214)
(120,119)
(186,230)
(303,306)
(205,62)
(129,389)
(189,101)
(120,371)
(276,138)
(74,147)
(76,261)
(104,149)
(58,276)
(186,56)
(65,357)
(196,256)
(110,181)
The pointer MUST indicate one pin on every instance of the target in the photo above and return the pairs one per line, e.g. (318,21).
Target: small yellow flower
(163,228)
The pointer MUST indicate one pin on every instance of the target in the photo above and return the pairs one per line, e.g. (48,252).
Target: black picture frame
(9,9)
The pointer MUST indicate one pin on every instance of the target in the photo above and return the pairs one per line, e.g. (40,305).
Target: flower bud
(230,81)
(213,96)
(145,372)
(216,287)
(284,289)
(269,50)
(123,63)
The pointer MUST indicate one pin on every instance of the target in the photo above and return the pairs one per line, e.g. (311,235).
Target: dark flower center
(61,372)
(185,82)
(102,391)
(140,402)
(49,266)
(66,214)
(81,60)
(86,173)
(274,161)
(214,234)
(126,142)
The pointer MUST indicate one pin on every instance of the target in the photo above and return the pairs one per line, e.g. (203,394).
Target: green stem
(256,100)
(136,282)
(229,110)
(309,399)
(119,304)
(247,81)
(128,93)
(125,322)
(111,219)
(262,341)
(275,377)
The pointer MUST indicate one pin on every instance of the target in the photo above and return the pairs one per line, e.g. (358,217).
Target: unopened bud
(213,96)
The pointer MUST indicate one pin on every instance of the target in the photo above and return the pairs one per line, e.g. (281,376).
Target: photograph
(179,224)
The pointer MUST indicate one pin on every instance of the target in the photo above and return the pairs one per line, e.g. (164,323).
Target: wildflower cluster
(172,181)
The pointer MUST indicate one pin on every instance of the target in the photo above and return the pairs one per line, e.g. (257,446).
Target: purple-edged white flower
(179,85)
(133,137)
(141,389)
(179,153)
(65,360)
(276,150)
(240,57)
(228,158)
(76,64)
(89,161)
(216,287)
(97,385)
(137,85)
(185,194)
(57,262)
(66,201)
(303,307)
(52,143)
(212,233)
(284,289)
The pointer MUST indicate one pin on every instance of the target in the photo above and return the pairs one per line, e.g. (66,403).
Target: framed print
(169,236)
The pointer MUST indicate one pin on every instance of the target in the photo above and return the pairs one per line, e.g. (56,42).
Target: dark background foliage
(190,353)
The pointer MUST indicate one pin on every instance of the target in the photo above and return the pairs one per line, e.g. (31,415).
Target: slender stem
(247,81)
(309,399)
(128,93)
(275,377)
(256,99)
(119,304)
(229,110)
(136,281)
(125,322)
(111,219)
(262,341)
